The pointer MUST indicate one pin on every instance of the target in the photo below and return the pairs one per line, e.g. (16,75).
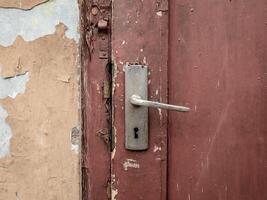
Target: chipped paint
(160,114)
(31,24)
(144,60)
(114,190)
(130,163)
(42,118)
(156,148)
(113,153)
(159,13)
(9,87)
(114,194)
(75,139)
(114,77)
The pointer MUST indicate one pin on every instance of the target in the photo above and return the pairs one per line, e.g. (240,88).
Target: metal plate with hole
(136,117)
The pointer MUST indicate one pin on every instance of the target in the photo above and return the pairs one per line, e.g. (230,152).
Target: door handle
(138,101)
(136,107)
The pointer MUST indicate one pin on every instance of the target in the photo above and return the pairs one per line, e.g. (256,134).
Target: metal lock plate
(136,107)
(136,117)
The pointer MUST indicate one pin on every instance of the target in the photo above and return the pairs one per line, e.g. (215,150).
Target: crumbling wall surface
(39,100)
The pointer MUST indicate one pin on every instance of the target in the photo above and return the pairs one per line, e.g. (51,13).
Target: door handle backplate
(136,107)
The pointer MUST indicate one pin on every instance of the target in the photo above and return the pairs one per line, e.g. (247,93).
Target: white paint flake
(156,148)
(39,21)
(130,163)
(159,13)
(114,191)
(113,153)
(144,60)
(75,148)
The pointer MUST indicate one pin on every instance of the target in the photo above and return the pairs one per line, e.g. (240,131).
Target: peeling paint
(160,114)
(156,148)
(75,139)
(113,153)
(114,191)
(114,77)
(114,194)
(144,60)
(130,163)
(31,24)
(159,13)
(44,51)
(9,87)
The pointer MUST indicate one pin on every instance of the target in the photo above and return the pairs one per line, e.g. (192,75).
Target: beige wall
(39,100)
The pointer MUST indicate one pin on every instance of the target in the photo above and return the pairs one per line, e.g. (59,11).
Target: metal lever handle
(136,107)
(138,101)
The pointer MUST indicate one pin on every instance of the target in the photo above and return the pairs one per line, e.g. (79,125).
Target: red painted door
(211,56)
(217,65)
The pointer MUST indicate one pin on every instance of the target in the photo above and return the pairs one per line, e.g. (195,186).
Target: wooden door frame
(143,42)
(96,98)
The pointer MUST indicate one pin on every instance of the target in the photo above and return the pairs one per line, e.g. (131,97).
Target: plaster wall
(39,100)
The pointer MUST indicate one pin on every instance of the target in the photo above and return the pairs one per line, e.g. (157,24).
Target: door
(210,56)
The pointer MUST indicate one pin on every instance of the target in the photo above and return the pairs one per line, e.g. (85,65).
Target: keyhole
(136,132)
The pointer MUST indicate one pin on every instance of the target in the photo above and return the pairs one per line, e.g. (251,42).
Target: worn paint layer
(22,4)
(130,163)
(41,163)
(39,21)
(9,87)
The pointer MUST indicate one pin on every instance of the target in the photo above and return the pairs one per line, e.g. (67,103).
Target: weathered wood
(218,56)
(140,36)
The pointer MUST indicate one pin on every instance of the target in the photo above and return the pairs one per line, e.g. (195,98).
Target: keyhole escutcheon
(136,132)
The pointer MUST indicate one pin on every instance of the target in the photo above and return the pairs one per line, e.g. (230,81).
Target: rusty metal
(105,136)
(94,10)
